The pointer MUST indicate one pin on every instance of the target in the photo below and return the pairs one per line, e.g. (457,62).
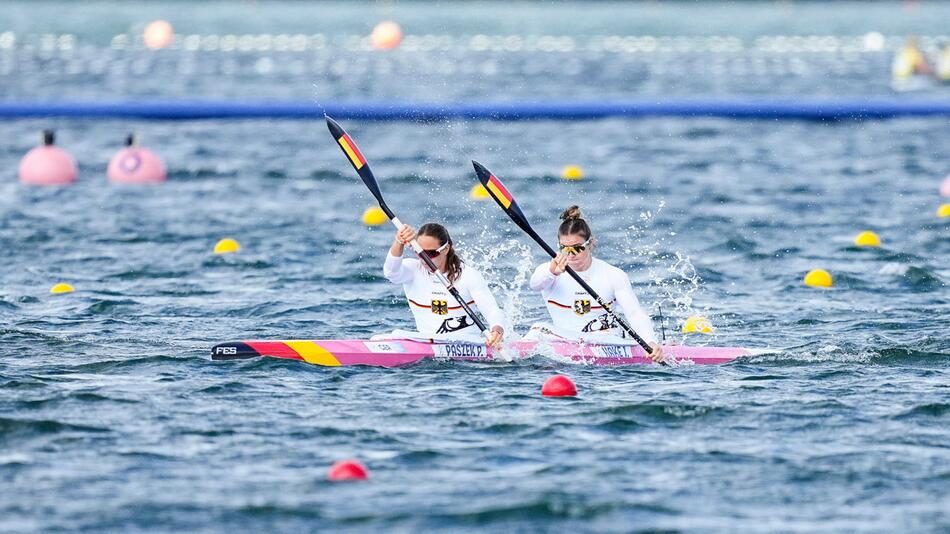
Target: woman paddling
(570,306)
(435,310)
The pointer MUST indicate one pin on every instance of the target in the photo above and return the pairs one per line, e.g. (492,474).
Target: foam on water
(115,419)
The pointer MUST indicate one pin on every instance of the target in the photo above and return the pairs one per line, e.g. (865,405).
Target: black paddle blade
(353,154)
(500,193)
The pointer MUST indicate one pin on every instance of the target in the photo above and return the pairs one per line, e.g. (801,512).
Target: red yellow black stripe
(307,351)
(501,194)
(571,307)
(427,306)
(351,151)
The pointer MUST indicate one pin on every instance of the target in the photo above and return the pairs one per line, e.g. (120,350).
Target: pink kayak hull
(398,352)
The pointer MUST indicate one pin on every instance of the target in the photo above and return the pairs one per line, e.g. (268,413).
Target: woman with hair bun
(433,307)
(573,311)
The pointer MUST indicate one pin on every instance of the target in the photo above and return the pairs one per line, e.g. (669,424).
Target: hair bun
(574,212)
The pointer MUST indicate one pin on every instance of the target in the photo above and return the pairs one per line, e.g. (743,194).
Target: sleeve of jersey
(638,319)
(397,270)
(542,278)
(485,300)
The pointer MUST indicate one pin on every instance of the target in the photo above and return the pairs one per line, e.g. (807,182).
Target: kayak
(398,352)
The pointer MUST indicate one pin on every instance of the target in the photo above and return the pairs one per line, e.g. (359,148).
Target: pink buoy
(158,34)
(386,35)
(945,186)
(47,164)
(136,165)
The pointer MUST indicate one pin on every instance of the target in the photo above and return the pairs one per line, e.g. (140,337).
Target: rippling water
(113,417)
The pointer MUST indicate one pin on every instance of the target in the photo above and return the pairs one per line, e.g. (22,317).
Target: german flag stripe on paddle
(352,152)
(501,194)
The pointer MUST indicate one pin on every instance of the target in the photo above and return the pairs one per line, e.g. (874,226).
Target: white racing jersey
(434,308)
(572,308)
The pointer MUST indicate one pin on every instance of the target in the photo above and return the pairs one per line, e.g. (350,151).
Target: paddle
(362,168)
(504,199)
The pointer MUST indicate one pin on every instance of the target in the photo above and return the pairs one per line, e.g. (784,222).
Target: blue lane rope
(802,109)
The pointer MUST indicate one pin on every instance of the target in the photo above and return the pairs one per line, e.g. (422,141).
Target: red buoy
(347,470)
(559,386)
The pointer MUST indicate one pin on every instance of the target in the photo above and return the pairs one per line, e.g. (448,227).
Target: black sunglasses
(435,253)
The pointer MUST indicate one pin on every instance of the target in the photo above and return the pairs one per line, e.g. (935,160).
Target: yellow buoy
(943,211)
(478,192)
(818,278)
(386,35)
(158,34)
(61,287)
(572,172)
(374,216)
(697,324)
(867,239)
(227,245)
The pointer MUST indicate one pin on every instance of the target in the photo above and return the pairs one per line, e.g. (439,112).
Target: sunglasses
(574,249)
(435,253)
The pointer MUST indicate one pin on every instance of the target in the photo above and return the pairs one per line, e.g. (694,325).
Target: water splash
(506,266)
(674,280)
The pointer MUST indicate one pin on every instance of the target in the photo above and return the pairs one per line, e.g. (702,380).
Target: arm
(485,301)
(638,319)
(404,235)
(542,278)
(396,270)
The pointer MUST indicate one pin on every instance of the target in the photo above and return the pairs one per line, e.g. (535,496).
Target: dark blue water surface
(114,418)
